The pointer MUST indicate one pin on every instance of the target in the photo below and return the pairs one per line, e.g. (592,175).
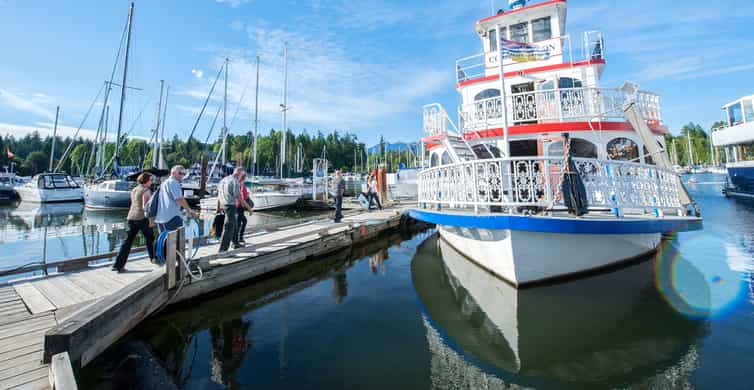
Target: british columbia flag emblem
(523,52)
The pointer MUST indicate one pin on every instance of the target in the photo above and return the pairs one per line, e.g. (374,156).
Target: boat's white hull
(262,201)
(30,194)
(523,257)
(268,201)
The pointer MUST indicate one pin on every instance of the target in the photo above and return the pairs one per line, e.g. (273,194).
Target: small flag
(516,3)
(9,153)
(523,52)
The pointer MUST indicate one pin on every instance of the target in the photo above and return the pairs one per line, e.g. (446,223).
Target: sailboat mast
(225,112)
(284,108)
(157,126)
(161,158)
(54,135)
(123,90)
(256,124)
(691,153)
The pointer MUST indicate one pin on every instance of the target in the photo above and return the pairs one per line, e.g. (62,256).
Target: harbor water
(411,312)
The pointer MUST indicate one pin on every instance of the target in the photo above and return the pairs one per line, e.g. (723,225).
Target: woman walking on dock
(137,221)
(241,226)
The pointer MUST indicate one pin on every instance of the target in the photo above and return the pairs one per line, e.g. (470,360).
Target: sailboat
(114,193)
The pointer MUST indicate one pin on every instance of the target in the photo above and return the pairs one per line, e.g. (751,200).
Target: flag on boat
(9,153)
(513,4)
(523,52)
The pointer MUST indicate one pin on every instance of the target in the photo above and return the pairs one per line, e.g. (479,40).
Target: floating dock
(49,325)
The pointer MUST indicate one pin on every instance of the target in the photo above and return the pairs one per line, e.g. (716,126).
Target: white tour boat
(51,187)
(736,138)
(560,177)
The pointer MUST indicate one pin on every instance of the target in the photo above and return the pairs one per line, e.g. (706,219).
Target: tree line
(700,141)
(30,154)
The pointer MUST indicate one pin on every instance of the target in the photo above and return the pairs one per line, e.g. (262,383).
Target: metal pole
(162,130)
(225,113)
(256,123)
(284,108)
(506,147)
(157,126)
(54,134)
(123,89)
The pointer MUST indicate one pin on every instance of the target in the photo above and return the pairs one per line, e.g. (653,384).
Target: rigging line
(214,121)
(127,133)
(73,139)
(204,106)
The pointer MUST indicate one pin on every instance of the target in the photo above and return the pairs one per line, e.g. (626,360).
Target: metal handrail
(624,187)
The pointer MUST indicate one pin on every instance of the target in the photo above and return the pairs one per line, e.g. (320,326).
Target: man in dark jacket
(340,188)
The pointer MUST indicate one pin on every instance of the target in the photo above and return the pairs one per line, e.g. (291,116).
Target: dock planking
(78,312)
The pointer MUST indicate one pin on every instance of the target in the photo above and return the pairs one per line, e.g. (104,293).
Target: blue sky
(363,66)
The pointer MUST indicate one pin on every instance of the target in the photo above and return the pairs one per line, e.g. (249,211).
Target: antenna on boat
(54,134)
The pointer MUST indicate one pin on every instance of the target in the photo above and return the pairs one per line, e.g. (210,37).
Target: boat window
(445,158)
(547,85)
(623,149)
(579,148)
(524,147)
(541,30)
(735,115)
(520,32)
(568,82)
(47,182)
(59,181)
(492,34)
(434,160)
(481,152)
(122,186)
(748,111)
(487,93)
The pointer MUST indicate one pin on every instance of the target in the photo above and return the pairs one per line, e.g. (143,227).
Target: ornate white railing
(556,105)
(436,120)
(514,182)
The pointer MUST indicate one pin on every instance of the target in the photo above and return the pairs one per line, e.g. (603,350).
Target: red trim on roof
(545,68)
(561,127)
(487,19)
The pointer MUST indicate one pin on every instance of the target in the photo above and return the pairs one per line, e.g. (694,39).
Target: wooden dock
(80,312)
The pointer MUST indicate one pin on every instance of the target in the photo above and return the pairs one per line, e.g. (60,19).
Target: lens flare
(700,283)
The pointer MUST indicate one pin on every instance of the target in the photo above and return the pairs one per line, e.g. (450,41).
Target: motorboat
(545,161)
(8,184)
(109,194)
(51,187)
(267,194)
(737,132)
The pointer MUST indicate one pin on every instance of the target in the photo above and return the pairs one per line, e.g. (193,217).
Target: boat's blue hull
(742,182)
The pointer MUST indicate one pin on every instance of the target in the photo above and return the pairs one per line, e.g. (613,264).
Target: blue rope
(160,247)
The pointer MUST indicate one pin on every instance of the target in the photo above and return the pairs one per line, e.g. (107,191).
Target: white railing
(561,49)
(436,120)
(515,182)
(556,105)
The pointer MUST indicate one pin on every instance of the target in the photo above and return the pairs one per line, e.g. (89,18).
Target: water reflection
(609,330)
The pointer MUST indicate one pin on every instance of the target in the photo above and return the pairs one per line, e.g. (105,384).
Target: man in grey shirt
(228,193)
(170,200)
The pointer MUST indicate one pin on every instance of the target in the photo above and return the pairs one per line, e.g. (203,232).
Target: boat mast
(155,133)
(284,108)
(225,114)
(161,158)
(123,90)
(691,153)
(256,124)
(54,134)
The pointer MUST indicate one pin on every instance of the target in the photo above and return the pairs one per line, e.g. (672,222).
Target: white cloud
(198,73)
(45,129)
(233,3)
(32,105)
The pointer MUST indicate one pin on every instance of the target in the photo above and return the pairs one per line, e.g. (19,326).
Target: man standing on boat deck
(170,200)
(340,188)
(228,193)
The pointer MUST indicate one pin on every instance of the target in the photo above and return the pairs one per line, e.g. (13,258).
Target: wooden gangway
(81,311)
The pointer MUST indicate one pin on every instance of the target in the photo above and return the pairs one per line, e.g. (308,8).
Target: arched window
(434,160)
(579,148)
(623,149)
(485,109)
(445,158)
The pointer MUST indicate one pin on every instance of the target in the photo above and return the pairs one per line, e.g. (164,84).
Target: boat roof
(749,97)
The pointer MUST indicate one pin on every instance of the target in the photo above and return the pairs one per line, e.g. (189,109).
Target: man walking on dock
(340,188)
(228,194)
(170,200)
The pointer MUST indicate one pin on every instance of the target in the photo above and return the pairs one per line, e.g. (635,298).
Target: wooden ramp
(31,307)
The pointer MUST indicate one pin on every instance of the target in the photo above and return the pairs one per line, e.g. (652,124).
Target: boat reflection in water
(609,330)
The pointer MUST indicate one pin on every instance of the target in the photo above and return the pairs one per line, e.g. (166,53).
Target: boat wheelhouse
(736,138)
(494,184)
